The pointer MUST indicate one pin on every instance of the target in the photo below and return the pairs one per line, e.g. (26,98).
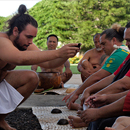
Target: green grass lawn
(73,68)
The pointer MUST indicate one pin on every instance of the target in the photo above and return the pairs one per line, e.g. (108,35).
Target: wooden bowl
(49,79)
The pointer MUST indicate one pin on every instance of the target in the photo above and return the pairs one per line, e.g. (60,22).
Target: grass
(73,68)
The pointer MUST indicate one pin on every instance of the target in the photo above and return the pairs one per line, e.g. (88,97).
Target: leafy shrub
(75,60)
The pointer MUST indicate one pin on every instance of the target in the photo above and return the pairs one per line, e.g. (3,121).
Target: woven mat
(59,91)
(49,121)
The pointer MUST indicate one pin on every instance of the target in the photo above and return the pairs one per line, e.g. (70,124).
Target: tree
(54,17)
(97,15)
(78,20)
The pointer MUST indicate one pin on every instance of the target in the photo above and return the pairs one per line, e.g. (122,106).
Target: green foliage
(2,22)
(75,59)
(53,18)
(76,21)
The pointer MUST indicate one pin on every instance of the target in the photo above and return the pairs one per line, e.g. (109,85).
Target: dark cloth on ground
(94,125)
(23,119)
(100,124)
(106,123)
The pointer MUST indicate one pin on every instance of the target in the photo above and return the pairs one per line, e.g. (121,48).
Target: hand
(96,100)
(67,97)
(72,99)
(84,96)
(85,73)
(89,115)
(68,73)
(68,51)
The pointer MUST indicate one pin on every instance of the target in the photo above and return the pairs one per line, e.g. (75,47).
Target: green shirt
(113,62)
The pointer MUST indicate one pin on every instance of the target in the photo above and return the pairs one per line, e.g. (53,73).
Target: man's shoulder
(90,51)
(3,38)
(117,56)
(120,53)
(120,50)
(4,41)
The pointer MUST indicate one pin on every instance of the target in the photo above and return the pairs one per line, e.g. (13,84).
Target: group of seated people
(105,95)
(91,62)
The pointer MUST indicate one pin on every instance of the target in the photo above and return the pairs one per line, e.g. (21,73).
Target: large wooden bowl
(48,80)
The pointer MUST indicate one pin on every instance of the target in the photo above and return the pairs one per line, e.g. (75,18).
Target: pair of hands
(91,114)
(84,71)
(72,97)
(92,101)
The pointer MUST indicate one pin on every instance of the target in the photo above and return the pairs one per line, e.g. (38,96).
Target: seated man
(92,60)
(52,42)
(110,39)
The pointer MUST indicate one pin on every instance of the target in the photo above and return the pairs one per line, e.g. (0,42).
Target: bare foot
(109,128)
(75,106)
(4,125)
(76,122)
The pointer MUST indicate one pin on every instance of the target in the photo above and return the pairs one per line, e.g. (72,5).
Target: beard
(51,47)
(99,49)
(17,44)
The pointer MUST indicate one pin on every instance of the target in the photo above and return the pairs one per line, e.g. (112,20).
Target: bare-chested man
(92,60)
(17,85)
(52,43)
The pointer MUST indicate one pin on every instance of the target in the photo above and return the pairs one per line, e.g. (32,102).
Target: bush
(75,60)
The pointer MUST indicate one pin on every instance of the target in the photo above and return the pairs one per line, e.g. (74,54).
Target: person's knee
(33,78)
(66,78)
(120,119)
